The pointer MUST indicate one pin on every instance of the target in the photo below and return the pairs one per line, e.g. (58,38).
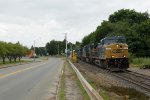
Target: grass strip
(61,92)
(22,61)
(139,62)
(84,93)
(102,92)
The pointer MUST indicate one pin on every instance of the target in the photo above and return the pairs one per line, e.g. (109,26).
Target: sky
(41,21)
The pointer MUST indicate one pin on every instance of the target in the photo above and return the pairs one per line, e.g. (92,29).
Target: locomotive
(111,53)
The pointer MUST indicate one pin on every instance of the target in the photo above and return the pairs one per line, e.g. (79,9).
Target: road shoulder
(70,86)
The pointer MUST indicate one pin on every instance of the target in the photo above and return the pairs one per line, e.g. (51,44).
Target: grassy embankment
(21,61)
(121,93)
(139,62)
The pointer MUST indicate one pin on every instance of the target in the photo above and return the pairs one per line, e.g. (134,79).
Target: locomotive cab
(114,53)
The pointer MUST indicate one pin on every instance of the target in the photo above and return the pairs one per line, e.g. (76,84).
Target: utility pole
(34,50)
(66,43)
(71,48)
(58,49)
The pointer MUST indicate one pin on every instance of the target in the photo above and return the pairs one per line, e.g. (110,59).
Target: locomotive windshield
(115,39)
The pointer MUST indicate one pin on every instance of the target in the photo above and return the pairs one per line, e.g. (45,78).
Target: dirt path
(72,89)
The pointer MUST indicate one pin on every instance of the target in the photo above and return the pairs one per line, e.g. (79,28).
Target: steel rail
(139,75)
(142,85)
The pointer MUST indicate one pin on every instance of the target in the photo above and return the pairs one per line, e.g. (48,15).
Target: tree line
(39,51)
(135,26)
(12,51)
(58,47)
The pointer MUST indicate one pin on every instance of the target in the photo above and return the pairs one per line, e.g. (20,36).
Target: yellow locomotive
(111,53)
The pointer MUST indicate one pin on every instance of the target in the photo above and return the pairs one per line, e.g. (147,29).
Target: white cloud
(44,20)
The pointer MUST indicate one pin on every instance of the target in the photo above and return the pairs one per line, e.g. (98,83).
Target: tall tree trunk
(19,59)
(15,58)
(3,59)
(10,58)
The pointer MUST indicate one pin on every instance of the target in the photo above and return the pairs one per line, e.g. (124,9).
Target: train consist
(111,53)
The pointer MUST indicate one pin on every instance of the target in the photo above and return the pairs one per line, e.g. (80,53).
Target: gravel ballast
(110,87)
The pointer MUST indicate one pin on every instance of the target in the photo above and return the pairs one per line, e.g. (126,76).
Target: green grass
(102,92)
(21,61)
(61,92)
(84,93)
(139,62)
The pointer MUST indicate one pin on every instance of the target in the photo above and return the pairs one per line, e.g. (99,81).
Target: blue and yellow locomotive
(111,53)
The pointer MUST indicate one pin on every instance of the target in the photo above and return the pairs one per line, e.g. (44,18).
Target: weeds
(122,92)
(61,92)
(139,62)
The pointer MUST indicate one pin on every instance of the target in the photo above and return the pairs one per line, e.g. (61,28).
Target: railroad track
(139,75)
(140,80)
(137,79)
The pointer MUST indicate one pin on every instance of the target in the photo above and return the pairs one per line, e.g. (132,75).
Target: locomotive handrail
(89,89)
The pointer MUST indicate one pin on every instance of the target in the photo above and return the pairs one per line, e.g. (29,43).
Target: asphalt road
(34,81)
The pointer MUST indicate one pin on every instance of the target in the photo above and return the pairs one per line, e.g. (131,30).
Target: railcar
(111,53)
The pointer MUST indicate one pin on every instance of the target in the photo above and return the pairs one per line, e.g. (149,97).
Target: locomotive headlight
(117,45)
(112,56)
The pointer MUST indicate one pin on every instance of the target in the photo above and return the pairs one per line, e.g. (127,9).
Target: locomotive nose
(119,51)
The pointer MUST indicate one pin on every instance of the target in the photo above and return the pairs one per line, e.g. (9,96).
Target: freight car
(111,53)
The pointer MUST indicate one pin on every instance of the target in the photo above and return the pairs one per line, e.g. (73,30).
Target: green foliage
(53,47)
(3,49)
(135,26)
(85,40)
(40,51)
(77,45)
(138,62)
(130,16)
(12,51)
(58,47)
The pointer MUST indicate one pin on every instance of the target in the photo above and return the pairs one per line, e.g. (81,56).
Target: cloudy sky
(44,20)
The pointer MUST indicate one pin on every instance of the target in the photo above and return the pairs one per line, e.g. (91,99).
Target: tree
(3,50)
(143,30)
(12,51)
(85,40)
(77,45)
(130,16)
(125,22)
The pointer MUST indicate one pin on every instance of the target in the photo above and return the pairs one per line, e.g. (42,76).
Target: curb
(89,89)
